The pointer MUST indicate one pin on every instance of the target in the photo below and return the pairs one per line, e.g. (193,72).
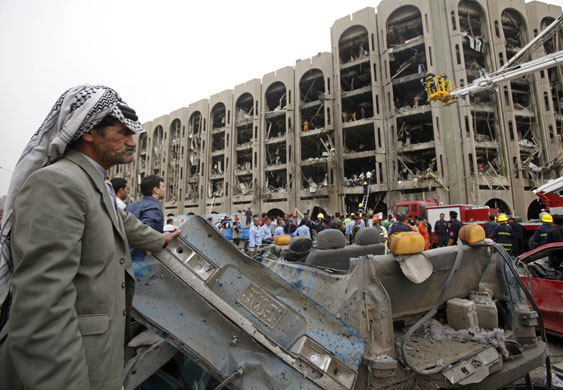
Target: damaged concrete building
(305,137)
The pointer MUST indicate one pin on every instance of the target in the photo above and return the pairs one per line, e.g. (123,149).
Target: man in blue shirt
(149,209)
(303,230)
(279,231)
(400,225)
(266,231)
(255,234)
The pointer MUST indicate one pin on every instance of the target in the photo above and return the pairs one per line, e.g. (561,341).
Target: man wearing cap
(380,228)
(65,260)
(540,235)
(455,227)
(503,233)
(318,225)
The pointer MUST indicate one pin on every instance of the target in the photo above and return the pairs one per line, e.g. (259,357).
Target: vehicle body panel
(205,297)
(548,294)
(204,282)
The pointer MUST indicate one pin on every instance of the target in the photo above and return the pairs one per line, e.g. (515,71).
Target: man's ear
(88,137)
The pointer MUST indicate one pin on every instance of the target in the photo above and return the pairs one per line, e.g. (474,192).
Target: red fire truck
(431,210)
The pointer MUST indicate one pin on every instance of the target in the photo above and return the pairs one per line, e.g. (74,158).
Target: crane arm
(491,81)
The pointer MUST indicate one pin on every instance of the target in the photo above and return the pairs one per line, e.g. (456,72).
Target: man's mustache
(130,148)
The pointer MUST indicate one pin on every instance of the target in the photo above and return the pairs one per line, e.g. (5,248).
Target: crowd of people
(263,230)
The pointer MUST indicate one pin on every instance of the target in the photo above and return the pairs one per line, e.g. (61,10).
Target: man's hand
(170,237)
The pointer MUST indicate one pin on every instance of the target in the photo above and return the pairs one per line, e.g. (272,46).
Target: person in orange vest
(423,230)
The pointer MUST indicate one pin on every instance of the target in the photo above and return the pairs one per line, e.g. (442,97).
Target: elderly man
(66,242)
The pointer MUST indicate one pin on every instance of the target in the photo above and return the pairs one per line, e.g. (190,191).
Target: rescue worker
(455,227)
(423,230)
(429,82)
(503,233)
(380,228)
(540,235)
(442,82)
(319,224)
(360,210)
(365,184)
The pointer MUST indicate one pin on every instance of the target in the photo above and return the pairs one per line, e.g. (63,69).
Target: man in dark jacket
(148,210)
(400,225)
(540,235)
(455,227)
(441,231)
(517,236)
(490,226)
(503,234)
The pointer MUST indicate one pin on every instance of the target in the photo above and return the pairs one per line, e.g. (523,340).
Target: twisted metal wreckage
(351,317)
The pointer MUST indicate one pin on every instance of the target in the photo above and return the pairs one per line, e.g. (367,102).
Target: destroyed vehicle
(450,317)
(545,281)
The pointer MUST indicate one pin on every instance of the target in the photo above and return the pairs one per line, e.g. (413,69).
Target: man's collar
(96,165)
(152,198)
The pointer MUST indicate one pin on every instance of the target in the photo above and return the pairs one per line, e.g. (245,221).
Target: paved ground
(556,354)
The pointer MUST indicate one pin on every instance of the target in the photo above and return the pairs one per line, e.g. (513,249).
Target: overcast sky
(159,55)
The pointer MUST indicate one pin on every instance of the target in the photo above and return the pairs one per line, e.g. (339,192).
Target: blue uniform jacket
(149,211)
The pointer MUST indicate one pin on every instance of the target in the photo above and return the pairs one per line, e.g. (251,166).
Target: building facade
(303,138)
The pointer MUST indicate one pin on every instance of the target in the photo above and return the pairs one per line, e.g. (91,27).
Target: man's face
(441,217)
(358,221)
(123,192)
(160,192)
(113,146)
(268,222)
(257,221)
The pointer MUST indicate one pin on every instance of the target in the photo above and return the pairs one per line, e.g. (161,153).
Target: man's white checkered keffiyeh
(74,114)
